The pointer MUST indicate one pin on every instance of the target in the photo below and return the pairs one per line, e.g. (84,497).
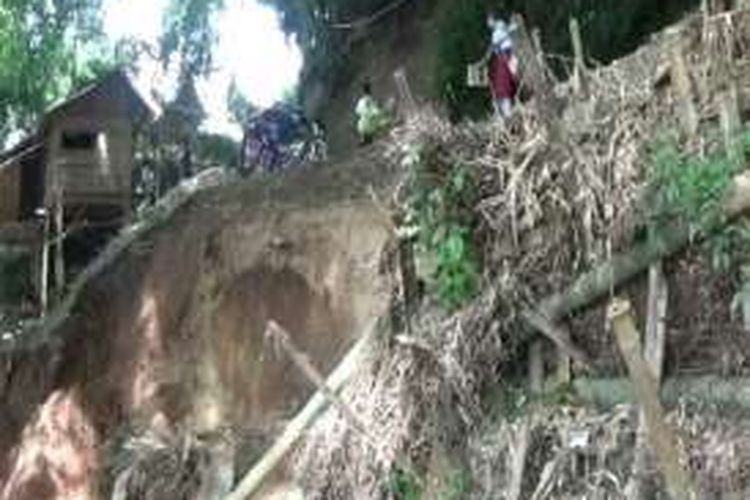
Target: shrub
(690,189)
(441,209)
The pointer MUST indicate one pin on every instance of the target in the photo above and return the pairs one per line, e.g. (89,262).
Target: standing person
(370,118)
(502,66)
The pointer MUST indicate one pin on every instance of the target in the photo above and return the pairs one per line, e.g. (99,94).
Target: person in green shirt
(371,118)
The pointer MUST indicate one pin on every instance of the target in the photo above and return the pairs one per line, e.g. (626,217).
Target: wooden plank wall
(99,176)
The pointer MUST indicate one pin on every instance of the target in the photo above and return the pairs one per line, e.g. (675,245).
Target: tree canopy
(189,35)
(47,48)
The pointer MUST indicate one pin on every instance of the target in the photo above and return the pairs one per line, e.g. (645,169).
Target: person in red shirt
(503,82)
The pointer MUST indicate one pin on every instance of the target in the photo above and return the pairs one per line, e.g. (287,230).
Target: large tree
(47,48)
(190,36)
(323,27)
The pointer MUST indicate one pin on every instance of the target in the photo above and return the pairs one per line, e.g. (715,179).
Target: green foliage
(456,273)
(189,34)
(458,485)
(690,189)
(403,485)
(441,211)
(47,49)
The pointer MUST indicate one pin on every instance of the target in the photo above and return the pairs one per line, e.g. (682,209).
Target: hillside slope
(169,335)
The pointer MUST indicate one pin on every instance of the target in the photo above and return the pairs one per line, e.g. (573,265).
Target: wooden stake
(536,367)
(59,246)
(44,266)
(564,372)
(658,297)
(579,65)
(681,79)
(661,438)
(536,40)
(517,457)
(731,123)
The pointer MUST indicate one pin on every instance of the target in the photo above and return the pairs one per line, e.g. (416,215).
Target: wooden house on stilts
(74,173)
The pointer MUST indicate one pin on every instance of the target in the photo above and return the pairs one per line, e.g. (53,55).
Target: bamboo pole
(661,437)
(315,406)
(305,365)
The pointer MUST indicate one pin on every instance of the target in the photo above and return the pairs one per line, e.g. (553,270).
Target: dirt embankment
(170,337)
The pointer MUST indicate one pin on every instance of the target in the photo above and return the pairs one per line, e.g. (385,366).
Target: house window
(79,140)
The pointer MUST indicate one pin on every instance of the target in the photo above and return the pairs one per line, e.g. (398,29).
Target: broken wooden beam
(654,348)
(661,437)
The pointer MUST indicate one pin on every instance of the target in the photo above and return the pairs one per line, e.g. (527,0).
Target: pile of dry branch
(557,199)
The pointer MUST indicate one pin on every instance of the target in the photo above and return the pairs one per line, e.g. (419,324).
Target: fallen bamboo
(304,364)
(315,406)
(662,439)
(607,393)
(597,283)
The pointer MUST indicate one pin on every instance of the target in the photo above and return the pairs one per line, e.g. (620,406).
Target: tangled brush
(550,202)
